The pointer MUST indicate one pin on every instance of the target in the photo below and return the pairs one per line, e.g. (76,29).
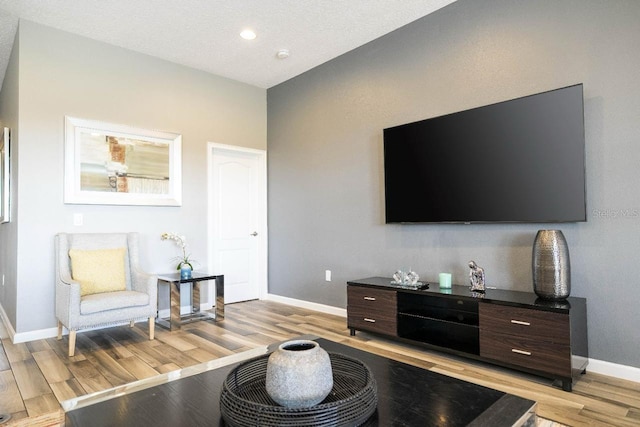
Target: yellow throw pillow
(100,270)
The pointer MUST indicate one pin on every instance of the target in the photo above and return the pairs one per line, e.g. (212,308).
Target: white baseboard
(307,304)
(614,370)
(39,334)
(7,323)
(42,334)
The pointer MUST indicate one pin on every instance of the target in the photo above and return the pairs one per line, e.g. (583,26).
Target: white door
(237,219)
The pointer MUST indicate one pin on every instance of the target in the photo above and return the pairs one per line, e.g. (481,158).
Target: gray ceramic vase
(299,374)
(551,265)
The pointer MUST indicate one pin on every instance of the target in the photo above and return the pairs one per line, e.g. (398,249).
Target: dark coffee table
(407,396)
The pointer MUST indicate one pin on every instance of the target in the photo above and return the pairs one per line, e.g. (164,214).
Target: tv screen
(520,160)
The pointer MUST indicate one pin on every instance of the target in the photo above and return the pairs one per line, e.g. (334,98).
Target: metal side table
(174,281)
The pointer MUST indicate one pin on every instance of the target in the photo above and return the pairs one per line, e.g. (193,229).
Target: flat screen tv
(521,160)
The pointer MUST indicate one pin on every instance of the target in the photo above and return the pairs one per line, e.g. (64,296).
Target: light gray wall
(63,74)
(325,154)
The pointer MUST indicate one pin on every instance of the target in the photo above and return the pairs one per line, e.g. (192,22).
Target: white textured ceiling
(204,34)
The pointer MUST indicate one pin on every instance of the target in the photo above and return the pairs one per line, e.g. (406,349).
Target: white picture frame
(112,164)
(5,176)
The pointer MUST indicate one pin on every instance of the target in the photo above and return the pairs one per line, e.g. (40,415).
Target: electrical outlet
(327,275)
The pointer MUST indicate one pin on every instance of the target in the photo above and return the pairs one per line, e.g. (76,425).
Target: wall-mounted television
(521,160)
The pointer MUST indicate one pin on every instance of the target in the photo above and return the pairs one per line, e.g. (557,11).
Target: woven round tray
(353,400)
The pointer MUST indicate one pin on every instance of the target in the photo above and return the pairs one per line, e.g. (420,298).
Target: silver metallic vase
(551,265)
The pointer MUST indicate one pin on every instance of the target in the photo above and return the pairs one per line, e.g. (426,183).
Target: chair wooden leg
(152,327)
(72,343)
(59,330)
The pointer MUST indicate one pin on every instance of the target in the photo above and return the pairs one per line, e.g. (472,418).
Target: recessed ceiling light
(283,54)
(248,34)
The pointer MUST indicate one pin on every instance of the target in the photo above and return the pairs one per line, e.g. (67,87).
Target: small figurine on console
(476,277)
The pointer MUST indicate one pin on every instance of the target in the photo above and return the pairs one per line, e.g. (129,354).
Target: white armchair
(99,283)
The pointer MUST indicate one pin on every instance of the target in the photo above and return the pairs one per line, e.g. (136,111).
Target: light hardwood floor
(36,376)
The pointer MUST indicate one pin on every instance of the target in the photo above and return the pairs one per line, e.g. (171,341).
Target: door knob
(254,234)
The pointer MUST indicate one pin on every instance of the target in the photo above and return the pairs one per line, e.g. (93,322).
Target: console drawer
(534,324)
(372,309)
(373,300)
(543,356)
(358,319)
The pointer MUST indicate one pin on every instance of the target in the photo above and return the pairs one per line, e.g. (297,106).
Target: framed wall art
(110,164)
(5,176)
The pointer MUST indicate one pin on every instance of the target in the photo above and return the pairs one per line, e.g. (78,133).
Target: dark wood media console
(514,329)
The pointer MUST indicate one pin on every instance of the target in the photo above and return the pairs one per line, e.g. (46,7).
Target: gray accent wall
(326,190)
(53,74)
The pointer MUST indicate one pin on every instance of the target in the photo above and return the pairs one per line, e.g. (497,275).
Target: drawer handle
(520,322)
(370,298)
(366,319)
(526,353)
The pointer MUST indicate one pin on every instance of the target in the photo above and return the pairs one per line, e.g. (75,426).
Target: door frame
(261,156)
